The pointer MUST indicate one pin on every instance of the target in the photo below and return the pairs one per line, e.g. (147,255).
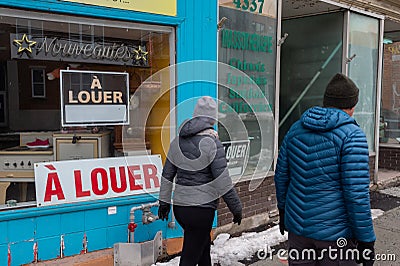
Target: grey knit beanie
(206,107)
(341,92)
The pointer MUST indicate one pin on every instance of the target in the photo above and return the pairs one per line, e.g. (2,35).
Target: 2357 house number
(251,5)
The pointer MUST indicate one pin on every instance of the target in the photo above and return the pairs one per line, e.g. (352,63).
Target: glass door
(362,63)
(318,47)
(310,56)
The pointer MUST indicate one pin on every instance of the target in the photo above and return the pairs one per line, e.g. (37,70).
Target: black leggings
(197,224)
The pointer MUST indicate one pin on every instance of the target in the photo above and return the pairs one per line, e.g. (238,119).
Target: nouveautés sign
(163,7)
(68,181)
(93,98)
(24,46)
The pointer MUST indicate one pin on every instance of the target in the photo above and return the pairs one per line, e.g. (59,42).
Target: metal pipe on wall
(132,216)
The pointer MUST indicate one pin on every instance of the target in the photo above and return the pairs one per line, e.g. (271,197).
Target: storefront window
(247,48)
(389,131)
(311,54)
(35,51)
(363,69)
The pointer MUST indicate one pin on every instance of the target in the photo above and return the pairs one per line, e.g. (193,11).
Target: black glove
(282,228)
(366,253)
(237,218)
(163,210)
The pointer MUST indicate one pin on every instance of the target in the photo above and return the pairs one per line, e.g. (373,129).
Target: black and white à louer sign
(94,98)
(237,155)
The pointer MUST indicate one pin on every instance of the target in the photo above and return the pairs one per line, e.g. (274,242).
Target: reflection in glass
(310,56)
(390,106)
(248,46)
(363,69)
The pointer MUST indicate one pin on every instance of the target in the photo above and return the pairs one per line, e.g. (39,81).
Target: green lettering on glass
(269,44)
(243,107)
(246,66)
(251,6)
(245,5)
(237,3)
(245,41)
(245,80)
(261,6)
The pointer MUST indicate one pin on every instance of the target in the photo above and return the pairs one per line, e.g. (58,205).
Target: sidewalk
(387,230)
(387,178)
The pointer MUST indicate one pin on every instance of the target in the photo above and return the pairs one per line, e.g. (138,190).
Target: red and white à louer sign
(75,181)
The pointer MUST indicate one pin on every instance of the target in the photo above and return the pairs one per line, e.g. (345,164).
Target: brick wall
(387,91)
(261,200)
(389,158)
(371,167)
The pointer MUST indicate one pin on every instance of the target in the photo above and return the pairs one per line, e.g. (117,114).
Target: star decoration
(141,54)
(21,47)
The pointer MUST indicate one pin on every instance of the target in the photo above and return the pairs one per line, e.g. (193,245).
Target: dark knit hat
(341,92)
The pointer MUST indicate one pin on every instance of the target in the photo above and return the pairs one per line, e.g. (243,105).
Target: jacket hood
(324,119)
(195,125)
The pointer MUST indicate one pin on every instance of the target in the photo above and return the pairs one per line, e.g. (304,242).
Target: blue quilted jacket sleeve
(355,183)
(282,175)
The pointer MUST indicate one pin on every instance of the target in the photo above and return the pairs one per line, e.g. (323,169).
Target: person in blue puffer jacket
(322,182)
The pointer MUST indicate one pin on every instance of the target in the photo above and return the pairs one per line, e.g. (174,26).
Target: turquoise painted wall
(22,228)
(196,39)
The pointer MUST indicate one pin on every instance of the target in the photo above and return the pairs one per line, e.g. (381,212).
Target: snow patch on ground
(392,191)
(173,262)
(376,213)
(228,251)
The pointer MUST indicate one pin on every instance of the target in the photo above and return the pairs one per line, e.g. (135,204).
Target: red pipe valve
(132,227)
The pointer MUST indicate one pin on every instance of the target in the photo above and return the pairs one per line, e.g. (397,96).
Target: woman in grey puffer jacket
(196,160)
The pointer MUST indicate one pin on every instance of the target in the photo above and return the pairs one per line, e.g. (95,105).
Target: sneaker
(38,144)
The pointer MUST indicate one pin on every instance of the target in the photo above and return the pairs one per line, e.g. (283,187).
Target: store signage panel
(261,7)
(50,48)
(93,98)
(248,44)
(248,47)
(72,181)
(162,7)
(237,155)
